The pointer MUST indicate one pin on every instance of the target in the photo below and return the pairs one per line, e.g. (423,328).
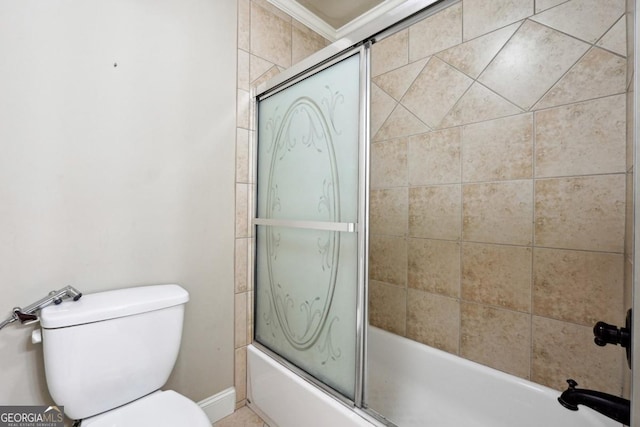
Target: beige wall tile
(436,33)
(498,212)
(389,164)
(628,216)
(434,212)
(615,39)
(578,287)
(387,307)
(478,104)
(382,104)
(473,56)
(241,320)
(396,82)
(240,377)
(570,17)
(271,72)
(581,213)
(401,122)
(389,211)
(434,266)
(631,30)
(497,275)
(243,109)
(482,16)
(304,42)
(598,73)
(542,5)
(257,67)
(436,89)
(270,34)
(434,157)
(564,350)
(242,210)
(388,259)
(273,9)
(241,265)
(582,139)
(244,25)
(498,149)
(243,70)
(542,56)
(249,317)
(627,300)
(496,338)
(433,320)
(390,53)
(630,130)
(242,156)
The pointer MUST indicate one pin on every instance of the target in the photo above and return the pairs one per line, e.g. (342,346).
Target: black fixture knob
(609,334)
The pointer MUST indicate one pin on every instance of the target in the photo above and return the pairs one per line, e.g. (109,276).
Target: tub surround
(498,197)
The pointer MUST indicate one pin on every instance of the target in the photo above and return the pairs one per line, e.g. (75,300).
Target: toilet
(107,355)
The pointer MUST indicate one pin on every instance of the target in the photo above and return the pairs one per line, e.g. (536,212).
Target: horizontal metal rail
(347,227)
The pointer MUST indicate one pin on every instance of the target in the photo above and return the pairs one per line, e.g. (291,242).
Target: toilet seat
(158,409)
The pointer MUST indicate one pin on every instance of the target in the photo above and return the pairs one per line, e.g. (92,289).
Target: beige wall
(115,176)
(269,41)
(498,185)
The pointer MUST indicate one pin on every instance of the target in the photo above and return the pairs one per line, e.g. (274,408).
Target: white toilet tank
(110,348)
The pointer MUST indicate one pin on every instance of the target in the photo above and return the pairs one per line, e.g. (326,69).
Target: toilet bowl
(107,355)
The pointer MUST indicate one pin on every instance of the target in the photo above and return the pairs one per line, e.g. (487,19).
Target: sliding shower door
(308,221)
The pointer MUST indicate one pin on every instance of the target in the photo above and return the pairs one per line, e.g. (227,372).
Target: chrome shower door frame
(360,227)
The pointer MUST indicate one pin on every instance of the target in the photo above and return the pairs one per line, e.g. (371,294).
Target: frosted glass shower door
(306,272)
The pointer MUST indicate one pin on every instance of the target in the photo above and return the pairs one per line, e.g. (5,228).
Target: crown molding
(367,17)
(302,14)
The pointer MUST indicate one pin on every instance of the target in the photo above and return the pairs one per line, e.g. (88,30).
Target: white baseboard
(219,405)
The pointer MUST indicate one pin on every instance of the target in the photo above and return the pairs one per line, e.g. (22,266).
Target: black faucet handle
(572,383)
(609,334)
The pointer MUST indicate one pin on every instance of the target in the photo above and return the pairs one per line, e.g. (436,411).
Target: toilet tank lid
(112,304)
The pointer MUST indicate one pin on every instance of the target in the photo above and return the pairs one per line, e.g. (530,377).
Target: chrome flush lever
(28,314)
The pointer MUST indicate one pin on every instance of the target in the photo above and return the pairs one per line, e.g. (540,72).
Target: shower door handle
(346,227)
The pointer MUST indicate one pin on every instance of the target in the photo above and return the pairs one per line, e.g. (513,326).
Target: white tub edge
(283,399)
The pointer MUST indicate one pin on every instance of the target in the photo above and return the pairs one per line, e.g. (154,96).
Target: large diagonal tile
(396,82)
(616,38)
(257,67)
(400,123)
(531,62)
(473,56)
(381,106)
(478,104)
(598,73)
(436,33)
(585,19)
(435,91)
(483,16)
(542,5)
(390,53)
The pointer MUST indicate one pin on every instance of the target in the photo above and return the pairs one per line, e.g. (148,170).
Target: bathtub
(412,385)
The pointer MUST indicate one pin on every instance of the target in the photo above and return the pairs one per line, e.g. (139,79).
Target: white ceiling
(334,19)
(337,13)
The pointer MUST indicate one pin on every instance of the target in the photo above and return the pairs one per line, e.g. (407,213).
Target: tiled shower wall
(269,41)
(498,171)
